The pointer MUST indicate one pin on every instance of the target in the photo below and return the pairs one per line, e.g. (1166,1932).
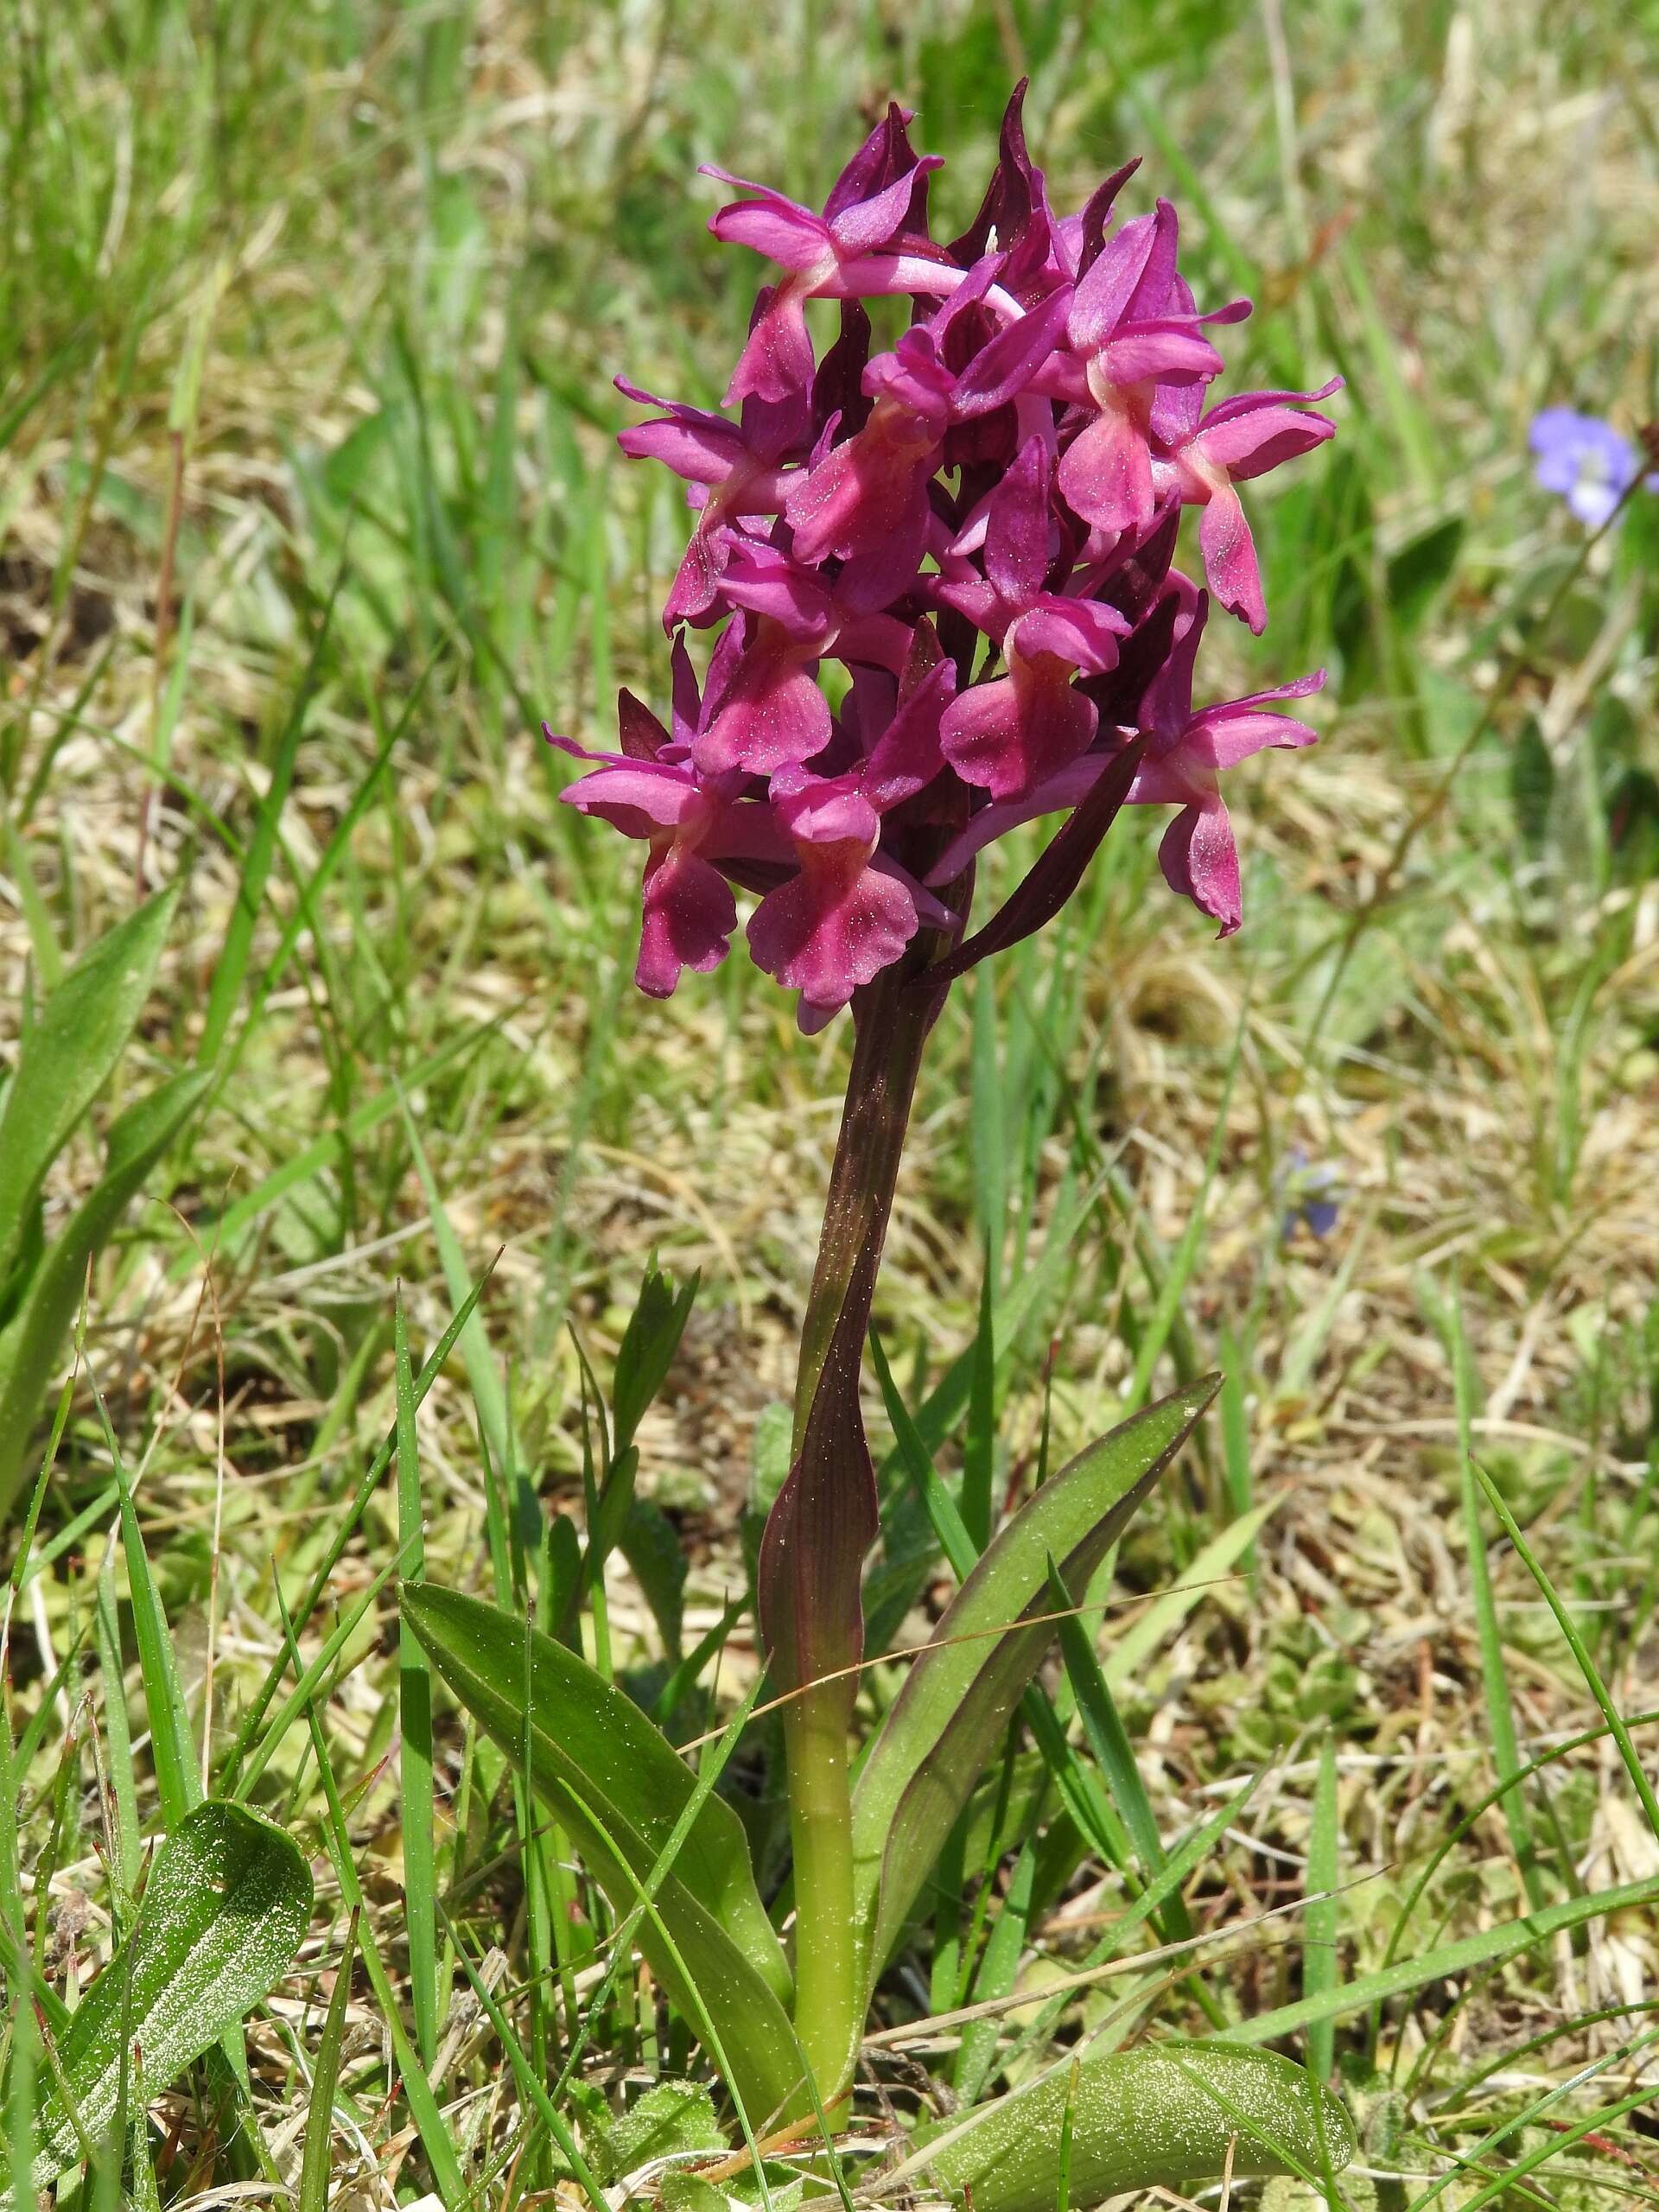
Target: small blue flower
(1585,459)
(1311,1195)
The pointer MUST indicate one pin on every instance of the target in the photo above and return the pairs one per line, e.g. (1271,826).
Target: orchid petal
(1106,474)
(689,915)
(1200,859)
(1229,561)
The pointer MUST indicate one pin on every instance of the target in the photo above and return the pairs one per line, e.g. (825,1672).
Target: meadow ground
(309,514)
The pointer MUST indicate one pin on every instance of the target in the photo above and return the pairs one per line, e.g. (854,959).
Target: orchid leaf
(1158,2117)
(227,1902)
(951,1716)
(617,1786)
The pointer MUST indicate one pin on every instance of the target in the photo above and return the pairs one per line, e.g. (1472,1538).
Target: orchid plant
(975,529)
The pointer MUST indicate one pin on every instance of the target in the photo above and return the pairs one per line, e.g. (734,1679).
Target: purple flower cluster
(979,526)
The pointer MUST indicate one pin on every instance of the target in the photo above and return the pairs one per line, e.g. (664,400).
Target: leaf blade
(33,1342)
(227,1906)
(70,1054)
(591,1751)
(960,1694)
(1156,2117)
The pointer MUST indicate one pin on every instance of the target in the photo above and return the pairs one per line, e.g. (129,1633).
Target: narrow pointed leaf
(618,1788)
(227,1902)
(33,1342)
(950,1717)
(68,1057)
(415,1722)
(1158,2117)
(1322,1917)
(317,2161)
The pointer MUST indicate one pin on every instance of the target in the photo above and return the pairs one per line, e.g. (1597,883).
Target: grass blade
(232,965)
(1320,1919)
(1494,1675)
(1492,1946)
(430,1370)
(317,2163)
(1110,1743)
(423,2108)
(415,1723)
(1576,1645)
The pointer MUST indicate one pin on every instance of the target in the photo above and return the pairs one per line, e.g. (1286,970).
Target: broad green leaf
(227,1902)
(612,1780)
(33,1342)
(1157,2117)
(950,1717)
(69,1056)
(676,2117)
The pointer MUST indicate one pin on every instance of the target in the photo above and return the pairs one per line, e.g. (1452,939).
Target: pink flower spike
(978,525)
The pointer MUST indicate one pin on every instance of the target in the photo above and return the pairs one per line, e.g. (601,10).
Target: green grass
(309,514)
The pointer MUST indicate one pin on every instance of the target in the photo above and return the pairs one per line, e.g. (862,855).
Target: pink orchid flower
(1241,438)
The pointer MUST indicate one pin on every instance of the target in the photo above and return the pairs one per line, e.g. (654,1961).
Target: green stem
(828,1992)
